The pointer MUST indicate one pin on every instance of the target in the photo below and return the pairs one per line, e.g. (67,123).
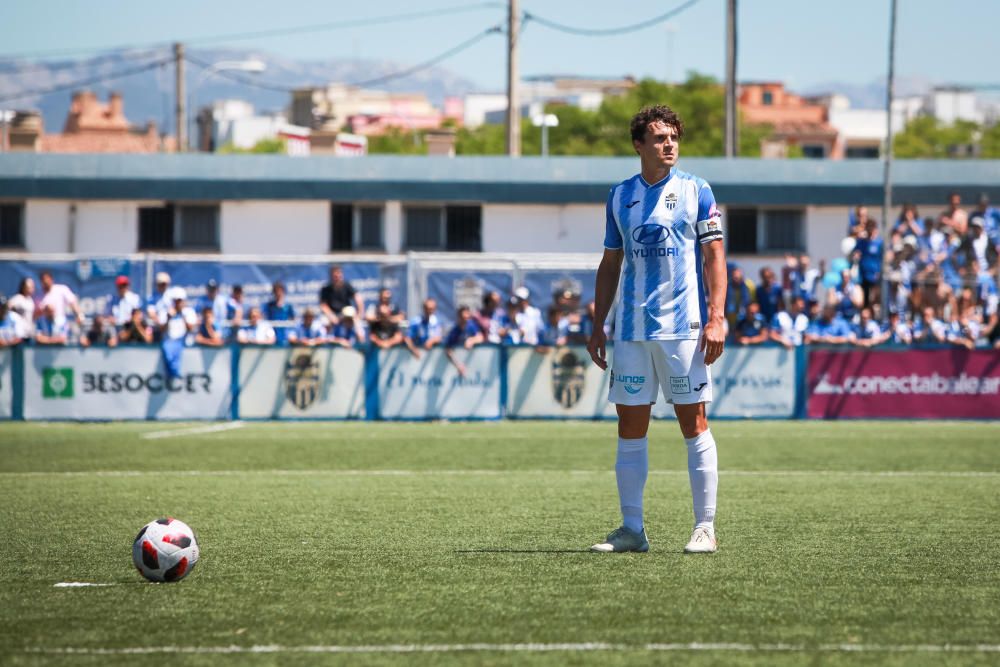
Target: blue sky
(802,42)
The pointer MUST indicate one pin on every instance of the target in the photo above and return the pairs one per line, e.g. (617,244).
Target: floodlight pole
(887,162)
(513,103)
(732,139)
(180,110)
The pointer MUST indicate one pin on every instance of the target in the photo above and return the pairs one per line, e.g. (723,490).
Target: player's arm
(605,288)
(714,339)
(606,283)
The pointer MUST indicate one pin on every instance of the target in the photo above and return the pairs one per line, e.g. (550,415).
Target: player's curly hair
(658,112)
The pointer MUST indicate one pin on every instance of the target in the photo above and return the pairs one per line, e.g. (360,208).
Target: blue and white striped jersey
(661,228)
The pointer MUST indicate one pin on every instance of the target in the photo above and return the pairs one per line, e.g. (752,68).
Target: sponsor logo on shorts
(680,385)
(701,386)
(631,383)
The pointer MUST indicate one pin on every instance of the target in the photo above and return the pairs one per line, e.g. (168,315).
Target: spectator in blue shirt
(309,332)
(345,331)
(207,333)
(867,332)
(10,328)
(898,330)
(769,294)
(427,330)
(868,252)
(465,332)
(49,330)
(556,328)
(279,310)
(224,309)
(830,328)
(752,329)
(846,296)
(929,329)
(909,222)
(789,326)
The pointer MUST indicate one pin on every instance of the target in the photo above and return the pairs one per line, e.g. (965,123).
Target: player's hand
(712,341)
(597,347)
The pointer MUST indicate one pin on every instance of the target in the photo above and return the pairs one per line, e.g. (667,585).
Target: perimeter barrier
(486,382)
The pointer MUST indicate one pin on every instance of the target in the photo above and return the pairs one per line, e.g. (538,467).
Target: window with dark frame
(424,230)
(341,227)
(179,227)
(370,228)
(464,228)
(741,230)
(783,230)
(11,225)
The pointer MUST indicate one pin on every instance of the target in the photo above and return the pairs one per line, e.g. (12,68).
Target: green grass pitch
(884,537)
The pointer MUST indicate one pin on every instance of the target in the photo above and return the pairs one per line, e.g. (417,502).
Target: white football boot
(702,542)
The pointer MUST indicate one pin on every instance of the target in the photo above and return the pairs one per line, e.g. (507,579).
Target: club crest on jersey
(302,379)
(670,200)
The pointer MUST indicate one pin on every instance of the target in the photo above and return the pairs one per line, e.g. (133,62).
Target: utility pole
(890,91)
(732,119)
(180,96)
(513,100)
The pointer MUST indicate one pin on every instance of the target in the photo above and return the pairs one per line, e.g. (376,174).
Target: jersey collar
(659,182)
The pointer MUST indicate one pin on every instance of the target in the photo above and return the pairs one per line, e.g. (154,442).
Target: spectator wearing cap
(789,326)
(769,294)
(11,330)
(136,330)
(122,303)
(830,328)
(752,329)
(208,334)
(491,319)
(346,332)
(23,303)
(337,295)
(527,320)
(258,331)
(309,332)
(49,330)
(279,310)
(100,333)
(60,300)
(427,330)
(158,304)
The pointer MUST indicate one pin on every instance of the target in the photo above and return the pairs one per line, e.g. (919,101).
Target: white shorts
(678,367)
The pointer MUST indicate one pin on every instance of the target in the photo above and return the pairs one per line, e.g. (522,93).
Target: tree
(927,137)
(275,145)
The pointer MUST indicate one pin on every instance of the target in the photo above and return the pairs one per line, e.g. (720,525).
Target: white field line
(475,473)
(78,584)
(529,648)
(197,430)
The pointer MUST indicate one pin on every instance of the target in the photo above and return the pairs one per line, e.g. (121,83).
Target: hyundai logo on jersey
(650,234)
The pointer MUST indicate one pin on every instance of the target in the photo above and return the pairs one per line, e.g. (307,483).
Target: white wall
(102,227)
(274,227)
(543,228)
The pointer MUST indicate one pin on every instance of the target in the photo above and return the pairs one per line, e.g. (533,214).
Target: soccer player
(660,225)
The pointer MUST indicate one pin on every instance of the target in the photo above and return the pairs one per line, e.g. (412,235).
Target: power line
(274,32)
(247,81)
(81,83)
(605,32)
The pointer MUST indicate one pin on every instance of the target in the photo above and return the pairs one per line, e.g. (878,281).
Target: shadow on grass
(523,551)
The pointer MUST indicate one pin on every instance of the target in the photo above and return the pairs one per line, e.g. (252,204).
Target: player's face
(660,144)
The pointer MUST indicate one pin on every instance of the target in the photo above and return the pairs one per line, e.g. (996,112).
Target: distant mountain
(870,95)
(149,95)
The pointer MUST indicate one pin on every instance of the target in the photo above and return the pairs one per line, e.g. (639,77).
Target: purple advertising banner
(934,384)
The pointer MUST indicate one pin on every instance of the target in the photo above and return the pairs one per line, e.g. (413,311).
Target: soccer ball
(165,550)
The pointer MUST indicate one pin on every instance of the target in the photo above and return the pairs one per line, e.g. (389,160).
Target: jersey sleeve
(612,235)
(709,217)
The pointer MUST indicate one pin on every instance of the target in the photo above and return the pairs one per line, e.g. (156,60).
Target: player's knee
(691,419)
(633,421)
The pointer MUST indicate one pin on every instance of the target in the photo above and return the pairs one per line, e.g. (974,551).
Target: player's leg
(690,387)
(633,390)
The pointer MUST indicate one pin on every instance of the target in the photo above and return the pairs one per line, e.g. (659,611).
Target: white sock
(703,470)
(631,469)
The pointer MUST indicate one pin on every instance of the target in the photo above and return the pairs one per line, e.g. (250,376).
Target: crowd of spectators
(941,275)
(940,272)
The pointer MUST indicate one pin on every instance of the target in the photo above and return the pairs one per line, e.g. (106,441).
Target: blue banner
(454,288)
(92,280)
